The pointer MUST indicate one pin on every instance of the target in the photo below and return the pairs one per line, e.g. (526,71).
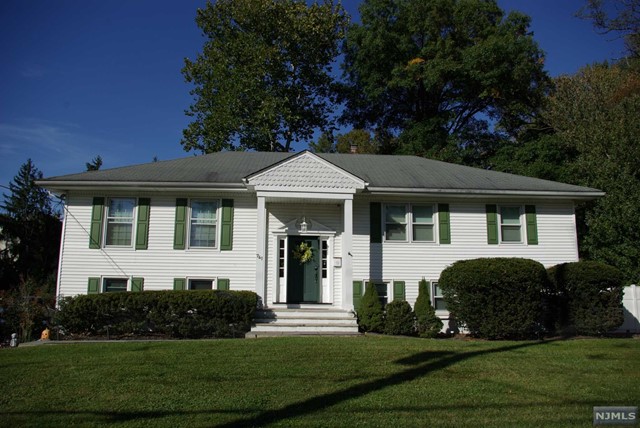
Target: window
(200,284)
(420,217)
(422,220)
(203,224)
(114,285)
(438,299)
(281,257)
(383,292)
(510,226)
(325,250)
(396,223)
(119,228)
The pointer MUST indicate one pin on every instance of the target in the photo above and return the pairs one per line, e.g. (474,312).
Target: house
(303,230)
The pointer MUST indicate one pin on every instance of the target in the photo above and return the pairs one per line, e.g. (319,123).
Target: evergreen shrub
(588,297)
(427,323)
(371,315)
(496,298)
(399,318)
(179,314)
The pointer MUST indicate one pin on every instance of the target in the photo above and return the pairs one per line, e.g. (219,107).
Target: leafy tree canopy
(262,80)
(595,114)
(441,69)
(95,164)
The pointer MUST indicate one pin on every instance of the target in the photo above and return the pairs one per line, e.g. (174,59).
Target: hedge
(399,318)
(588,297)
(496,298)
(179,314)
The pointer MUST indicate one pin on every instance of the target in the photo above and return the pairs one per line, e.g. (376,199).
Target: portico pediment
(305,172)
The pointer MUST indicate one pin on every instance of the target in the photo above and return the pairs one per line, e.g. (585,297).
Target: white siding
(160,263)
(410,262)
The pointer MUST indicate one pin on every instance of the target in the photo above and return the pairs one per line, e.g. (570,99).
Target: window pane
(203,235)
(510,215)
(422,232)
(112,285)
(204,211)
(441,305)
(121,208)
(511,233)
(396,232)
(118,233)
(437,291)
(200,284)
(396,213)
(381,288)
(423,214)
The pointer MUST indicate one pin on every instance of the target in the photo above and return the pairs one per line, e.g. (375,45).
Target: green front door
(303,284)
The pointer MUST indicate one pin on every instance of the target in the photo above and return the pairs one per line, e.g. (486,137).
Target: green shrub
(427,323)
(496,298)
(181,314)
(399,318)
(588,296)
(370,315)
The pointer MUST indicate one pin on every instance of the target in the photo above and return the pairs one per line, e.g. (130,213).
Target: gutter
(119,185)
(587,195)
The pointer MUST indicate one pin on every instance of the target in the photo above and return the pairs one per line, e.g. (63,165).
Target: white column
(347,257)
(261,251)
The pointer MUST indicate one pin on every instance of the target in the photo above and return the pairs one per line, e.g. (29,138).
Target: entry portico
(304,180)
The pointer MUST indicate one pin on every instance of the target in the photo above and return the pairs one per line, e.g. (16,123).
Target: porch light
(303,225)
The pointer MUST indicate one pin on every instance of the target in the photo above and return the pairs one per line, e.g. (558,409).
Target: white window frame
(409,222)
(434,213)
(405,223)
(104,279)
(216,245)
(520,224)
(212,280)
(435,297)
(105,228)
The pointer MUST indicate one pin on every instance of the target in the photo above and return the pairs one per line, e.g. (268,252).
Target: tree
(595,114)
(30,229)
(442,73)
(325,144)
(427,323)
(626,22)
(95,164)
(263,78)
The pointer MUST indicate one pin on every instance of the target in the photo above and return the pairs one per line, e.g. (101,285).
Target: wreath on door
(303,253)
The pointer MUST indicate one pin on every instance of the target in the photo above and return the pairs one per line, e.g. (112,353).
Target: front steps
(302,320)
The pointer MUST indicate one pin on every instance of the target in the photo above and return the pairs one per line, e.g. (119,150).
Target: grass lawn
(318,381)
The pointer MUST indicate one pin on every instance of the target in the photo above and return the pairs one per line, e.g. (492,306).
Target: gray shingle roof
(380,171)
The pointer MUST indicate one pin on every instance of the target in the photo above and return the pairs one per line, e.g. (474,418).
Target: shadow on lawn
(422,364)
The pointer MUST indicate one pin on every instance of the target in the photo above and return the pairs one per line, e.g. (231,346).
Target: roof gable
(305,172)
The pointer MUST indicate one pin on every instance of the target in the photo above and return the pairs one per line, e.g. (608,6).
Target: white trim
(214,281)
(65,211)
(261,250)
(347,255)
(103,286)
(479,193)
(216,245)
(134,221)
(306,194)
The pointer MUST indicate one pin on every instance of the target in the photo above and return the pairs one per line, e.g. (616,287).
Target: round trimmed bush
(588,296)
(399,319)
(496,298)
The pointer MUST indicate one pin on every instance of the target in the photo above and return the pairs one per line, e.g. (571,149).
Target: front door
(303,284)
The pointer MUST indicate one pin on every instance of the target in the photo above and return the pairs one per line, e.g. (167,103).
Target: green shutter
(179,283)
(95,234)
(357,294)
(223,284)
(492,224)
(226,234)
(375,226)
(532,224)
(93,286)
(444,223)
(180,231)
(398,290)
(142,228)
(137,284)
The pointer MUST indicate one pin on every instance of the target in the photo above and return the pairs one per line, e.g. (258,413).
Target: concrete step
(314,320)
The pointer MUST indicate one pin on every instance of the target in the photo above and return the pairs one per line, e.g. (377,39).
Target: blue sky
(84,78)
